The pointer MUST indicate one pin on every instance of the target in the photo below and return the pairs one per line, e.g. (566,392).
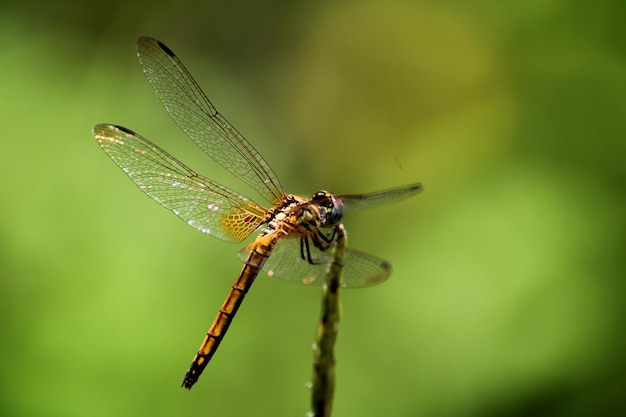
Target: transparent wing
(199,201)
(360,269)
(199,119)
(354,202)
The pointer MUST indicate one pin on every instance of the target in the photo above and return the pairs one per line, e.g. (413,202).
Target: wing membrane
(202,203)
(199,119)
(354,202)
(360,269)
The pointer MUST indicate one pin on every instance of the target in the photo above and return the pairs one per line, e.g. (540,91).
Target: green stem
(323,385)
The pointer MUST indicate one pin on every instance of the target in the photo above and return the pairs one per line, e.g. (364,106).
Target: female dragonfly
(295,232)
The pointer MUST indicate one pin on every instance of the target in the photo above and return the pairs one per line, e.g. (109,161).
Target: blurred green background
(507,297)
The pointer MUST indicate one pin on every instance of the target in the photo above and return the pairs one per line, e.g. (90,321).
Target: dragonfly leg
(332,235)
(320,241)
(305,252)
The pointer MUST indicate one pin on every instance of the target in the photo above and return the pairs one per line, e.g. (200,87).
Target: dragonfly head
(330,206)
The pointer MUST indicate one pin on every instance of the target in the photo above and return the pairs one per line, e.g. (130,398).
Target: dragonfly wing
(354,202)
(363,270)
(360,269)
(199,201)
(199,119)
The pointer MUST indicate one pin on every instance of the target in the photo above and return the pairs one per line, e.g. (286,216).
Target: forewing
(199,119)
(354,202)
(202,203)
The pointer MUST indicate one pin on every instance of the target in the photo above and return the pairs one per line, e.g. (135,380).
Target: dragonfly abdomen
(261,250)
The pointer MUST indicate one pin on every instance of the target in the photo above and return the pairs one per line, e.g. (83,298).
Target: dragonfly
(295,234)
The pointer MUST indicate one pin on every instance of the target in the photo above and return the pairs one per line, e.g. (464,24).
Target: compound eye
(336,211)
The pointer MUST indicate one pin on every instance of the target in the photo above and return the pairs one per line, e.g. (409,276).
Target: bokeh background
(507,297)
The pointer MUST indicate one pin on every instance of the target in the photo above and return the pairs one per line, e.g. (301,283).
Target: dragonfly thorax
(297,216)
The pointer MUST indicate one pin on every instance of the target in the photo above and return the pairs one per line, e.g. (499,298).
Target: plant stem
(323,385)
